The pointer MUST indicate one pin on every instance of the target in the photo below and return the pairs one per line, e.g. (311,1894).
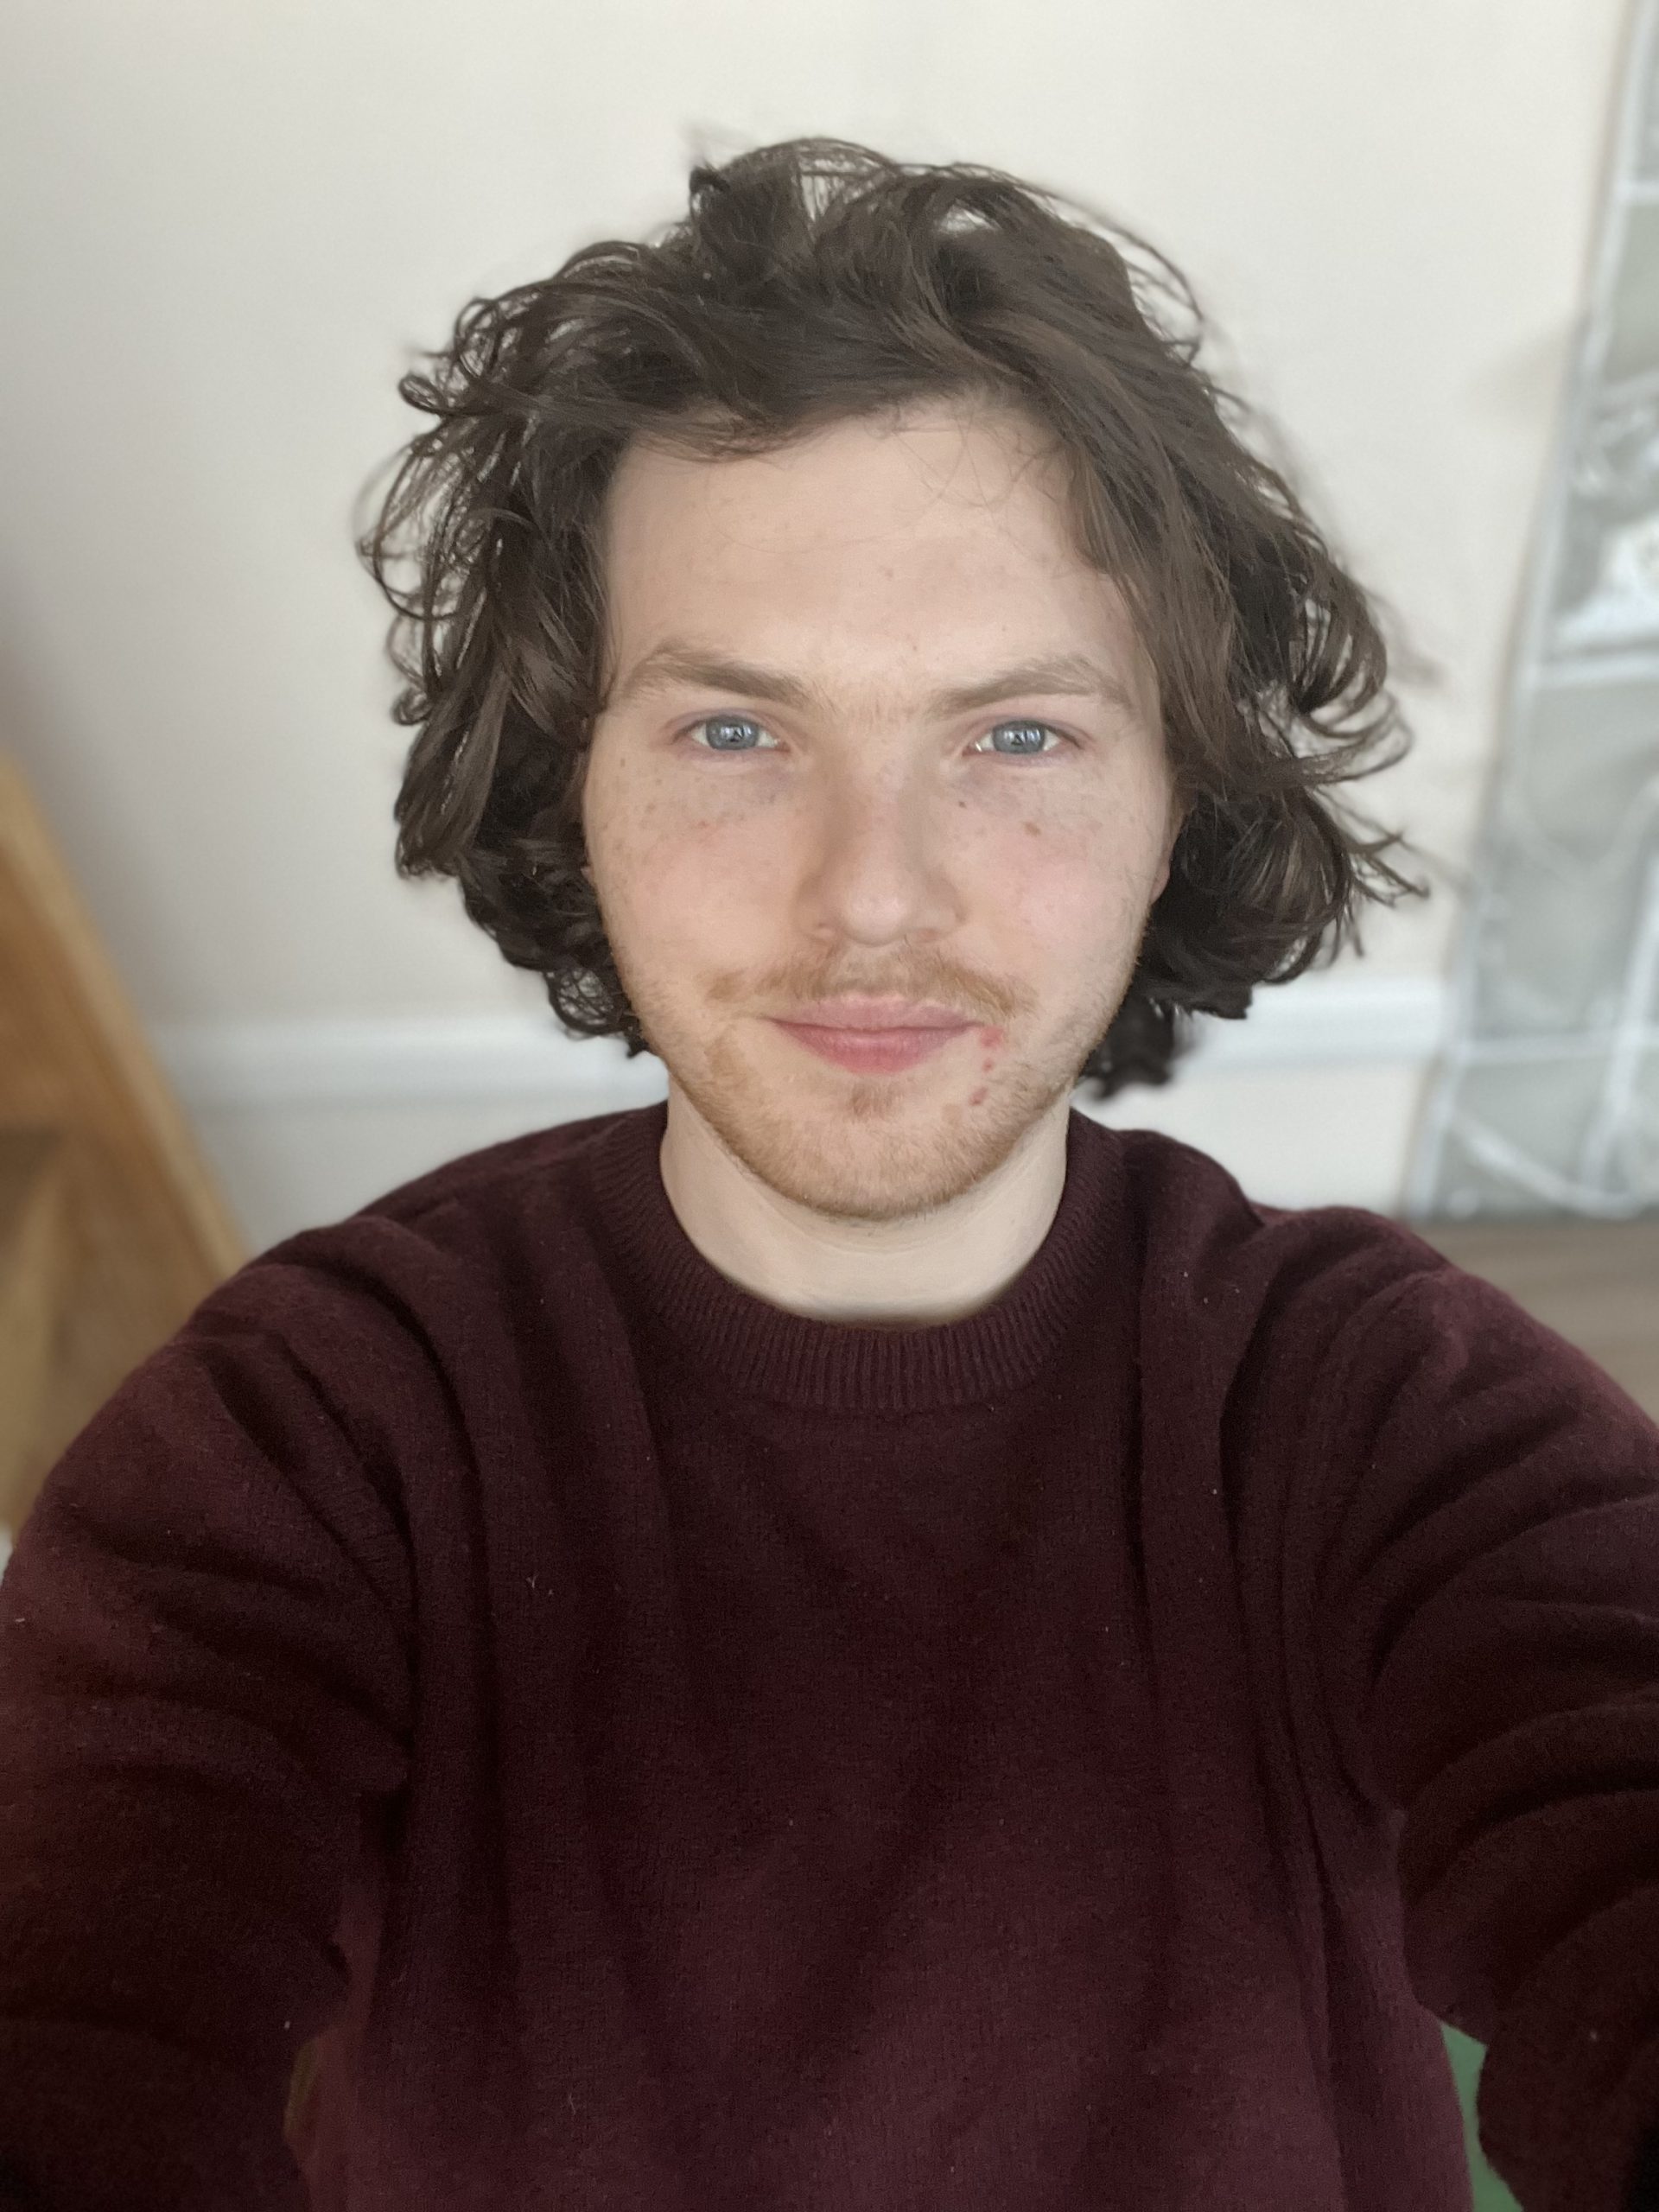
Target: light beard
(865,1149)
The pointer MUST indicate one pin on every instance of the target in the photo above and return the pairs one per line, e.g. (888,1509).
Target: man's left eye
(1029,737)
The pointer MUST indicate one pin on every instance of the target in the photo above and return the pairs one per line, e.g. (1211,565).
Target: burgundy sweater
(685,1756)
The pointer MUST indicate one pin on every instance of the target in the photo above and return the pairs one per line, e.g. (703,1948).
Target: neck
(914,1272)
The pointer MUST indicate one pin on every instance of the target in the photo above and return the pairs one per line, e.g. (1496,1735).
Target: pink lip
(870,1050)
(853,1012)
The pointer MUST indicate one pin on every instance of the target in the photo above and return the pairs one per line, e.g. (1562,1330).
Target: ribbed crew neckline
(762,1350)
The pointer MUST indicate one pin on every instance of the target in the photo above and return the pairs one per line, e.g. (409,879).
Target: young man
(859,1639)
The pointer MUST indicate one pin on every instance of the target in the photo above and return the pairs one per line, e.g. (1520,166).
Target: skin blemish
(978,1097)
(991,1038)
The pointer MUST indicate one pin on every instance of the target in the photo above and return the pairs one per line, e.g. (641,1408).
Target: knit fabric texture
(661,1751)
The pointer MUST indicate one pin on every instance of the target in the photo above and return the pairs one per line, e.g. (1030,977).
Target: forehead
(938,467)
(941,522)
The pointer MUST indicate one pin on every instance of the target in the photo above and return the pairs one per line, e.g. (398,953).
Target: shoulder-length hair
(817,281)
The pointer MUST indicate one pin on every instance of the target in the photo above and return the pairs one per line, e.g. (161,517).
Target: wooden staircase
(112,1227)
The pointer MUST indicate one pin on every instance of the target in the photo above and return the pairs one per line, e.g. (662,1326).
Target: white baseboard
(1353,1021)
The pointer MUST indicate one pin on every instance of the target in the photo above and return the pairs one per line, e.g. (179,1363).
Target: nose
(879,866)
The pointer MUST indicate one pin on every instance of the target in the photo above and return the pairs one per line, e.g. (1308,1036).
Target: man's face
(753,854)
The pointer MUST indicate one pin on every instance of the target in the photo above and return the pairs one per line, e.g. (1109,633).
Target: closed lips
(922,1015)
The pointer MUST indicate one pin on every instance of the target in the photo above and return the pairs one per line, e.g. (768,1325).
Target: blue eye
(728,732)
(725,732)
(1037,731)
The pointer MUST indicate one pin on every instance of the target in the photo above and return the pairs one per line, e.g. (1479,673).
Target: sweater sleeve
(1489,1614)
(203,1677)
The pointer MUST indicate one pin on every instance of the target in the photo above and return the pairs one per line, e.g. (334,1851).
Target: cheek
(1051,882)
(690,884)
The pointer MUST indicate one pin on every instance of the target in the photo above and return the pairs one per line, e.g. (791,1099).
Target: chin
(872,1148)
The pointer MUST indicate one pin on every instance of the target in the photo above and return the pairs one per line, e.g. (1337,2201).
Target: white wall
(225,226)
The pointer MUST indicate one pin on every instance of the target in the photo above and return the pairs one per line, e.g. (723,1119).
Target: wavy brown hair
(817,281)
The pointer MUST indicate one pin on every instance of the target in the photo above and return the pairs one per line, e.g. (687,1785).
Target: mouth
(857,1010)
(870,1050)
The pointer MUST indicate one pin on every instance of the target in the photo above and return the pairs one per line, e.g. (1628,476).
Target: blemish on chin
(991,1037)
(979,1097)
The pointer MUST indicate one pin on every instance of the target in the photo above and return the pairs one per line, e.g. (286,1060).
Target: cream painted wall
(222,227)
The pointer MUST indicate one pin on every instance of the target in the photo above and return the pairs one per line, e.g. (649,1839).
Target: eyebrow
(1075,675)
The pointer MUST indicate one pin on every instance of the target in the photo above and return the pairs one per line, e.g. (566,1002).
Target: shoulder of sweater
(1199,1228)
(473,1175)
(399,1250)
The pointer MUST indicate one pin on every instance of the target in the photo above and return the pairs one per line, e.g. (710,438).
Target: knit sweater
(680,1755)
